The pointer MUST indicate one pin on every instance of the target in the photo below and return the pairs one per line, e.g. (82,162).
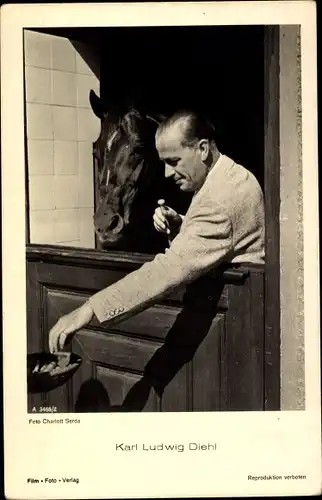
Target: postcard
(160,250)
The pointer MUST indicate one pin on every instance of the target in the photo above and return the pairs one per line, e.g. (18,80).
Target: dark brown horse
(130,180)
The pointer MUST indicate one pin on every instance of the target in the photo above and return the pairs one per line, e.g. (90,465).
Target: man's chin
(185,188)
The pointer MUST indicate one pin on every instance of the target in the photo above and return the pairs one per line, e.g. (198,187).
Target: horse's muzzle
(109,231)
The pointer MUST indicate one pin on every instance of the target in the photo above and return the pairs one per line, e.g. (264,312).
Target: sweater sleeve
(204,242)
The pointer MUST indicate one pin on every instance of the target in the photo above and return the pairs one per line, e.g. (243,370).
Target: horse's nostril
(105,228)
(115,221)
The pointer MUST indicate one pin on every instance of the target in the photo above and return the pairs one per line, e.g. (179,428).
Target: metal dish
(60,368)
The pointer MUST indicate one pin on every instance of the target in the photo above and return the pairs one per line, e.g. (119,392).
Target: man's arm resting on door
(205,243)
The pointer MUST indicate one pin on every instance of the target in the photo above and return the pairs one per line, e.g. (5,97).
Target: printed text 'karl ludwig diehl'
(192,446)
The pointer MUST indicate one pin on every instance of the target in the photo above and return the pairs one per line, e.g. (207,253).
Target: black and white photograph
(162,207)
(153,251)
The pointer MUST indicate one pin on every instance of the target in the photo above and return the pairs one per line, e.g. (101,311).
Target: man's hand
(166,220)
(67,325)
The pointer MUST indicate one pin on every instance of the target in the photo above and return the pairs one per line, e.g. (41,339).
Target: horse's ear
(97,105)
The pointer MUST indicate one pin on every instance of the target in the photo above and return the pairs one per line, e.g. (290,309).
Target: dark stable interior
(218,70)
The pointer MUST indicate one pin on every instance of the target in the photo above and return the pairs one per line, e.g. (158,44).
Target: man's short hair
(196,126)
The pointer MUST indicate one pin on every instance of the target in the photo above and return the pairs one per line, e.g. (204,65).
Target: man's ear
(204,149)
(97,105)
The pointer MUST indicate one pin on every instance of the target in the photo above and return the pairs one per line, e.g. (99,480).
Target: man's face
(184,164)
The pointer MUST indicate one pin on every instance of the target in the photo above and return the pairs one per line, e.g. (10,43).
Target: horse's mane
(136,128)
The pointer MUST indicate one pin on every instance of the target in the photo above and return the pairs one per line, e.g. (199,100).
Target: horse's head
(127,163)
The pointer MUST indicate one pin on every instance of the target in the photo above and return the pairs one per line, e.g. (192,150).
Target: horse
(130,180)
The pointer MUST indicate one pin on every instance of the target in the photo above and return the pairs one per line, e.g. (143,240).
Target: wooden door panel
(110,379)
(207,368)
(82,384)
(243,347)
(202,350)
(153,323)
(176,395)
(119,385)
(84,279)
(116,350)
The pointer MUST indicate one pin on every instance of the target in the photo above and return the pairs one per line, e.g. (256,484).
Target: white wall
(61,128)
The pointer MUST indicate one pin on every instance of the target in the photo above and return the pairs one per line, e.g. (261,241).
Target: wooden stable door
(236,365)
(201,349)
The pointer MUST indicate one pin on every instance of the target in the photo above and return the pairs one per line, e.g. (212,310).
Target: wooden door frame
(272,206)
(272,369)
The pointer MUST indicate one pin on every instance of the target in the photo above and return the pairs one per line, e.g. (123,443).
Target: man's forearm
(188,257)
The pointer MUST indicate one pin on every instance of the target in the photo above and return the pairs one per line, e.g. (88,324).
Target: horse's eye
(131,186)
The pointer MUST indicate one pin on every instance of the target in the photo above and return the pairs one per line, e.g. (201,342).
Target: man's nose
(169,171)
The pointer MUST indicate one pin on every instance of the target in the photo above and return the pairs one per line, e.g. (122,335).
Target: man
(224,224)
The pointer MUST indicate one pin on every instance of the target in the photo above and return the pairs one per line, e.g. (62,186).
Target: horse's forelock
(121,160)
(136,128)
(128,141)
